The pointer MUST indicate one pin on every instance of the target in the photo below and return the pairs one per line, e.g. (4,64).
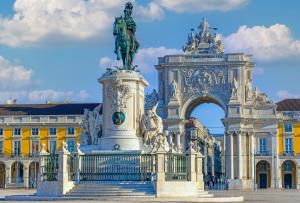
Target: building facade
(210,147)
(278,156)
(25,127)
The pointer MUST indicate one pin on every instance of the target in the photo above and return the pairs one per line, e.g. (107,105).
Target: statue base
(120,140)
(123,106)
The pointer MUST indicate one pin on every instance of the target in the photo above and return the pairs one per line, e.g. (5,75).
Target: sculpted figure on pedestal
(151,126)
(249,89)
(260,98)
(126,44)
(173,89)
(234,90)
(91,125)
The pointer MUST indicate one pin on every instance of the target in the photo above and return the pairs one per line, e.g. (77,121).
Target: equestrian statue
(126,45)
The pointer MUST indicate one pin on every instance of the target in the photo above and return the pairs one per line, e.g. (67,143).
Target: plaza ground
(272,196)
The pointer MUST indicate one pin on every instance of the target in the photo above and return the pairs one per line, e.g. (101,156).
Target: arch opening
(263,177)
(17,173)
(289,175)
(204,124)
(2,175)
(33,174)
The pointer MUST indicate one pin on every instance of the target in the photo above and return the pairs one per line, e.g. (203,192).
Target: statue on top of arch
(204,41)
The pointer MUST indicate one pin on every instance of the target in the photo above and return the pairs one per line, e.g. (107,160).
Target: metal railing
(50,168)
(263,153)
(176,167)
(71,167)
(287,153)
(117,167)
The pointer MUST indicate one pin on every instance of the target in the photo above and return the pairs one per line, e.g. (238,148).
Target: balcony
(263,153)
(287,153)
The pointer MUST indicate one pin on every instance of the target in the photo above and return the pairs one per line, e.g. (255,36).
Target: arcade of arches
(288,175)
(18,174)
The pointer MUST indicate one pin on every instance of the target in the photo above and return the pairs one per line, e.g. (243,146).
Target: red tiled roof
(289,105)
(46,109)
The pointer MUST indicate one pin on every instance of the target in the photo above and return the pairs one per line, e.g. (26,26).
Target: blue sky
(55,50)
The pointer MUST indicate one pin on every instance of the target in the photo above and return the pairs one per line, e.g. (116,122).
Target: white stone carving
(204,80)
(119,93)
(92,126)
(234,89)
(248,90)
(260,98)
(160,143)
(204,41)
(151,100)
(173,89)
(151,126)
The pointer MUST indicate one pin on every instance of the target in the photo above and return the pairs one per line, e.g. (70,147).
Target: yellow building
(25,127)
(277,156)
(289,143)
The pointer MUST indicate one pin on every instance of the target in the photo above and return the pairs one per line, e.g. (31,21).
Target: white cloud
(13,76)
(150,12)
(37,21)
(146,58)
(264,43)
(181,6)
(284,94)
(16,82)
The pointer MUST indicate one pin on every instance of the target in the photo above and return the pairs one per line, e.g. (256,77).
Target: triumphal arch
(204,73)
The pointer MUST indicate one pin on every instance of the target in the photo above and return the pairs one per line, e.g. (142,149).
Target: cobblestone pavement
(260,196)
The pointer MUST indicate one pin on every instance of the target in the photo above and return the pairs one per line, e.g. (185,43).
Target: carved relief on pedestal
(119,94)
(204,81)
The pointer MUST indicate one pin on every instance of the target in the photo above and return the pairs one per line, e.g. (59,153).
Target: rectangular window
(52,147)
(288,145)
(71,145)
(17,148)
(17,131)
(288,127)
(71,131)
(52,131)
(1,131)
(263,146)
(35,148)
(1,148)
(34,131)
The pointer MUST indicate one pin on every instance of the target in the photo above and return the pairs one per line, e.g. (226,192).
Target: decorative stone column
(239,155)
(42,155)
(123,106)
(160,171)
(77,160)
(7,175)
(229,156)
(199,171)
(191,163)
(298,178)
(26,176)
(274,162)
(63,176)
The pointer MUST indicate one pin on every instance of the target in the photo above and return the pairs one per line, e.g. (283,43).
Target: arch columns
(229,166)
(298,176)
(7,175)
(25,175)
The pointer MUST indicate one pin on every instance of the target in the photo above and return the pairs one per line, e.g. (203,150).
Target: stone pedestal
(123,106)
